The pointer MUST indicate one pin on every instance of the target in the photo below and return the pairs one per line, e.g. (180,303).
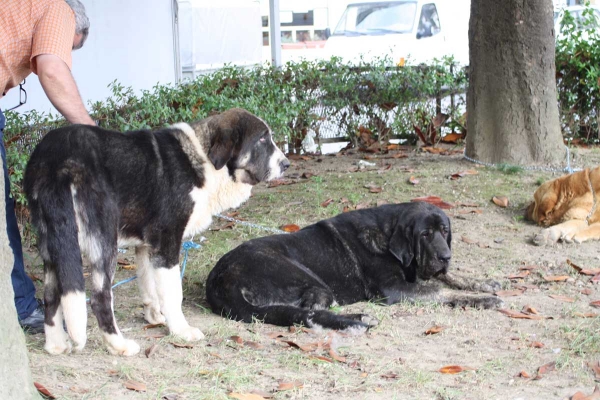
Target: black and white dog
(91,190)
(379,253)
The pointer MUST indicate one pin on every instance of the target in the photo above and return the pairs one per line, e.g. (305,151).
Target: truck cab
(414,31)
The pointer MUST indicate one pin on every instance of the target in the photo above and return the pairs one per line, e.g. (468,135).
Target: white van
(411,31)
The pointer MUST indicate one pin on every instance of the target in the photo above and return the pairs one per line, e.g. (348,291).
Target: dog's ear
(401,244)
(221,147)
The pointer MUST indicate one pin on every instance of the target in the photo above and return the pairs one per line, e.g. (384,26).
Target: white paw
(58,348)
(188,333)
(79,346)
(153,315)
(126,347)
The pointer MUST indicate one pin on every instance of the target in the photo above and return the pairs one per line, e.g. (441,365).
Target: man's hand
(61,89)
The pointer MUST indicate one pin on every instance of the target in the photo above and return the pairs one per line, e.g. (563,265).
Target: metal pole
(275,33)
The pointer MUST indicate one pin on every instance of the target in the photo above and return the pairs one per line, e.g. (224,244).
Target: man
(38,36)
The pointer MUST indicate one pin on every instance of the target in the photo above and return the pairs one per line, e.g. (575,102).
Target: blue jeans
(23,287)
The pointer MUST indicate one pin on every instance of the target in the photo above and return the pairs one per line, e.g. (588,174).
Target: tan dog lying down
(568,206)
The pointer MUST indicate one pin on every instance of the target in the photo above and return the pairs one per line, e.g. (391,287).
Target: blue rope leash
(186,247)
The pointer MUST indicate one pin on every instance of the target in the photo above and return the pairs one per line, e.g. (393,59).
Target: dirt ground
(395,360)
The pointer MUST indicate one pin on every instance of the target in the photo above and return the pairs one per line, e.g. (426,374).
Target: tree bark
(15,375)
(511,101)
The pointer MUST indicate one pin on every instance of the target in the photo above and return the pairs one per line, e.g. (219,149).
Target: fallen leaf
(151,350)
(112,372)
(562,298)
(468,240)
(307,347)
(537,345)
(595,366)
(453,137)
(326,202)
(290,385)
(585,315)
(237,339)
(476,211)
(151,326)
(556,278)
(463,173)
(262,393)
(454,369)
(528,268)
(529,310)
(375,189)
(228,225)
(434,329)
(509,293)
(245,396)
(413,180)
(500,201)
(435,200)
(551,366)
(595,303)
(581,396)
(390,375)
(519,315)
(523,374)
(587,291)
(155,335)
(253,345)
(137,386)
(290,228)
(363,205)
(521,275)
(582,271)
(307,175)
(336,357)
(183,345)
(467,205)
(42,389)
(322,358)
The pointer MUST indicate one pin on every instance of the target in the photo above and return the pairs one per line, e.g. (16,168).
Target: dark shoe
(35,322)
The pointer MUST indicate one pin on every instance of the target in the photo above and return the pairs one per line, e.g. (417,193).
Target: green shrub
(578,76)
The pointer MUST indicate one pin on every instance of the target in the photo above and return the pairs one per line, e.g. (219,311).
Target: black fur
(133,185)
(378,253)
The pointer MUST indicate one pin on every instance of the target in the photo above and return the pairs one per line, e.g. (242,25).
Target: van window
(377,18)
(429,23)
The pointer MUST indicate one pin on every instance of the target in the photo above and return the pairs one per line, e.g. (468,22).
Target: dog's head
(555,198)
(421,241)
(244,144)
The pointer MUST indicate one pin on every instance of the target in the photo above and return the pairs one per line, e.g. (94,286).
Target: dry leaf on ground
(519,315)
(551,366)
(434,329)
(523,374)
(42,389)
(500,201)
(151,350)
(585,315)
(520,275)
(454,369)
(595,303)
(562,298)
(556,278)
(595,366)
(436,201)
(290,228)
(463,173)
(509,293)
(246,396)
(136,386)
(326,202)
(290,385)
(413,180)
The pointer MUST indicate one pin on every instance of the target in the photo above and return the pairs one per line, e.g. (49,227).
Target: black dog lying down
(378,253)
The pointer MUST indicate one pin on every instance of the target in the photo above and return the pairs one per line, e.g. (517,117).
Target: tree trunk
(15,376)
(512,102)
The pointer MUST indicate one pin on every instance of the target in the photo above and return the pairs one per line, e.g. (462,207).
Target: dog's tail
(228,301)
(53,215)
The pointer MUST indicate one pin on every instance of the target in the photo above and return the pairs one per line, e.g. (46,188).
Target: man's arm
(61,89)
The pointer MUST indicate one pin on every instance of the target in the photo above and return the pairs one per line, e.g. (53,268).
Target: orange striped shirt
(29,28)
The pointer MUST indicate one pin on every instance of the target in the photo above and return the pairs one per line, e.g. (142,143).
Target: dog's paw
(56,348)
(189,333)
(153,315)
(481,302)
(369,320)
(487,286)
(124,347)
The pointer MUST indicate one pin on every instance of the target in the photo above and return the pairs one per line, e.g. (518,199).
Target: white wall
(130,41)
